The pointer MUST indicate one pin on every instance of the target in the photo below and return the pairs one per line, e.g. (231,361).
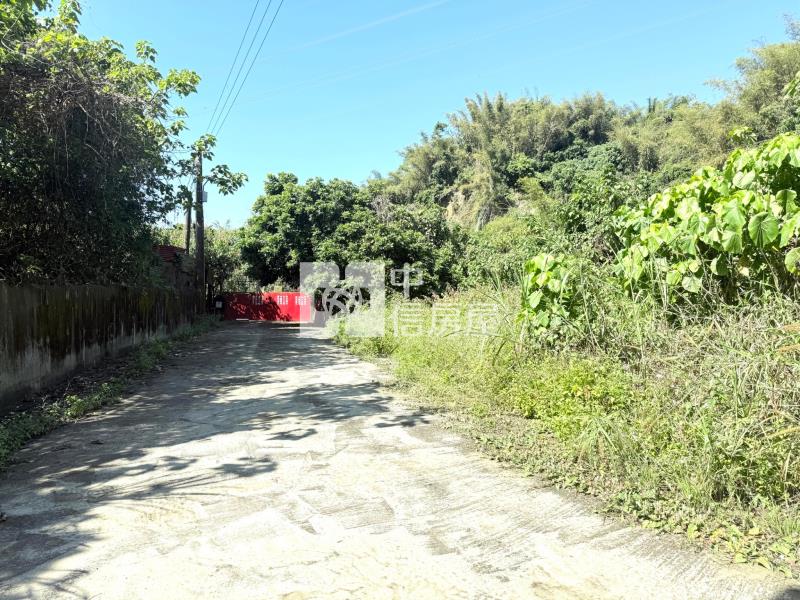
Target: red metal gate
(268,306)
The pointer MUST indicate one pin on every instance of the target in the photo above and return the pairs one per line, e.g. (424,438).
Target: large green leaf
(667,233)
(732,242)
(692,284)
(719,266)
(787,200)
(744,179)
(673,277)
(686,208)
(789,229)
(712,236)
(794,158)
(763,229)
(555,285)
(534,299)
(686,243)
(733,215)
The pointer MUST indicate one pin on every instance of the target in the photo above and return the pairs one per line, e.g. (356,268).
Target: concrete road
(270,464)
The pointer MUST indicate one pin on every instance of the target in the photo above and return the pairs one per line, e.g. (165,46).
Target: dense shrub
(88,149)
(339,222)
(736,227)
(499,251)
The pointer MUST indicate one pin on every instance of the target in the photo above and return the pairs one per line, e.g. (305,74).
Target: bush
(499,251)
(89,141)
(734,230)
(567,391)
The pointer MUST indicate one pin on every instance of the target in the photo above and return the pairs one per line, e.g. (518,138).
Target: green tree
(88,140)
(339,222)
(290,220)
(758,95)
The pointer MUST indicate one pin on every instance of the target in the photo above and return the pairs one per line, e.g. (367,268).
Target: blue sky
(342,86)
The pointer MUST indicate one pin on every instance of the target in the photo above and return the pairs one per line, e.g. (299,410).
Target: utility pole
(200,243)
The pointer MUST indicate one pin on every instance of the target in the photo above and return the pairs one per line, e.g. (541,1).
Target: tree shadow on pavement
(226,411)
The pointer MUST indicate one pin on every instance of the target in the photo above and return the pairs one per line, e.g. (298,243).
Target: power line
(235,58)
(241,66)
(255,57)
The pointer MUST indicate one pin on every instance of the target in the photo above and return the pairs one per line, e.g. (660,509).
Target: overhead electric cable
(255,57)
(233,64)
(241,66)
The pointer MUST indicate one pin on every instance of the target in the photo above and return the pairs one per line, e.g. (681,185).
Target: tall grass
(686,419)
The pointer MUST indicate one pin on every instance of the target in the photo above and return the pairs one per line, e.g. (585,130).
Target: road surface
(267,463)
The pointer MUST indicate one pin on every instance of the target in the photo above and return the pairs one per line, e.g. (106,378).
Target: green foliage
(226,272)
(592,155)
(221,176)
(591,189)
(225,269)
(558,170)
(549,296)
(736,228)
(87,145)
(416,234)
(289,221)
(792,89)
(477,167)
(429,168)
(17,19)
(499,251)
(672,136)
(339,222)
(759,95)
(569,392)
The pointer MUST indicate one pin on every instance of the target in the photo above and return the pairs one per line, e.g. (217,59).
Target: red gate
(268,306)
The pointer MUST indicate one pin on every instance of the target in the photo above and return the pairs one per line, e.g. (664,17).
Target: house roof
(169,253)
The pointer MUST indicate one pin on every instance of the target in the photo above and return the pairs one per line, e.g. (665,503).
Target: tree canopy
(337,221)
(89,149)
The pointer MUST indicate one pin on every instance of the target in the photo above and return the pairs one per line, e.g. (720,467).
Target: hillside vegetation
(644,262)
(515,177)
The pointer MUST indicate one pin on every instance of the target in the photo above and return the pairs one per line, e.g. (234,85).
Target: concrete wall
(48,332)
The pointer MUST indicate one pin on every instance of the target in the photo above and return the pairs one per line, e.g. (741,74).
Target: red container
(268,306)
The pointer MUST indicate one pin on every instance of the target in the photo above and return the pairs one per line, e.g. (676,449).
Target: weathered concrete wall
(48,332)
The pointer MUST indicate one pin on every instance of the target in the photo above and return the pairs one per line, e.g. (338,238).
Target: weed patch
(18,428)
(690,428)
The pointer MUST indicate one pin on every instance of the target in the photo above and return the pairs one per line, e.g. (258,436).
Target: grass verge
(62,407)
(690,428)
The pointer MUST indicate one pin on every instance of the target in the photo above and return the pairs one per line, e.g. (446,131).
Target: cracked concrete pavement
(267,463)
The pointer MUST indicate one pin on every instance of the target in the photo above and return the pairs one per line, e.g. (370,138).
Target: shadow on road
(167,440)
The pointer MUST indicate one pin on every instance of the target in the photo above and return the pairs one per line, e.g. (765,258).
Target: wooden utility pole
(200,242)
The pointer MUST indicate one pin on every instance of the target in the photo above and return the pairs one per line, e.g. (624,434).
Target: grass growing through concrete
(687,423)
(20,427)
